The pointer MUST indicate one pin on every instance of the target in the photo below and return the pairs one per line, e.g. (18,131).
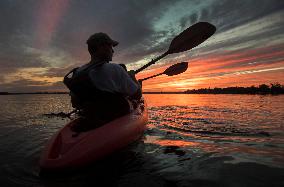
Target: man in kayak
(100,90)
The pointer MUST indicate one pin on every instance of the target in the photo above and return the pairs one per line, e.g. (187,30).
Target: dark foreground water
(191,140)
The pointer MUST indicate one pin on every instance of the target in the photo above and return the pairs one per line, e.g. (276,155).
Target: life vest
(89,97)
(81,84)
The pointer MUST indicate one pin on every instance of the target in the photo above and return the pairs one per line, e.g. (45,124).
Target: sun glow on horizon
(33,75)
(204,74)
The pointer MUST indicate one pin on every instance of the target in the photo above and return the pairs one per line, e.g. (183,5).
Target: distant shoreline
(31,93)
(50,93)
(263,89)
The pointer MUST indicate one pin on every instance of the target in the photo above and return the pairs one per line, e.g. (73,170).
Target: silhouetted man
(99,89)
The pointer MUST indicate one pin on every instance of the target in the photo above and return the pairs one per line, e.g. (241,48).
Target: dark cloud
(251,41)
(58,72)
(129,22)
(15,57)
(193,19)
(228,14)
(16,36)
(225,15)
(17,18)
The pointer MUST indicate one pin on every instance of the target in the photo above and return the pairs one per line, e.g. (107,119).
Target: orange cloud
(253,67)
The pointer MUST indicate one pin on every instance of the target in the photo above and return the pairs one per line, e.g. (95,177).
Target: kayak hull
(64,150)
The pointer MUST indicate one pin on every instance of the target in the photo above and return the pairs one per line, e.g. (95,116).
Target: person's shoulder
(82,67)
(114,66)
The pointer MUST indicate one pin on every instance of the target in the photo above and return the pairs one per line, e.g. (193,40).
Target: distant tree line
(274,88)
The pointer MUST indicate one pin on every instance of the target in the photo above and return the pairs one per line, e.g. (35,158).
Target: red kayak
(64,150)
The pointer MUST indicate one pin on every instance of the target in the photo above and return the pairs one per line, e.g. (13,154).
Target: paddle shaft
(151,76)
(151,62)
(172,70)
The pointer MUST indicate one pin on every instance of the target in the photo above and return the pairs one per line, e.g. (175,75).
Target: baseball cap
(101,38)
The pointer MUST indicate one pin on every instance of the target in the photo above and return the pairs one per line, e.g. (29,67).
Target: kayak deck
(64,150)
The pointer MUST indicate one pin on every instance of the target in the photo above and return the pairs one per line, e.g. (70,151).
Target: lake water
(191,140)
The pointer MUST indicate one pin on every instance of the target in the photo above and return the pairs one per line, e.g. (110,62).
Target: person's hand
(131,73)
(140,83)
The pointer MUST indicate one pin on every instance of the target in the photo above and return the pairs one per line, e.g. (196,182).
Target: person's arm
(126,83)
(138,94)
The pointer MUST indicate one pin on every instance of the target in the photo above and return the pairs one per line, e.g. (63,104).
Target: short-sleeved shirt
(112,78)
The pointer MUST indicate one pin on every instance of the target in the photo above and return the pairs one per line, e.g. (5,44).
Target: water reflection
(191,140)
(224,149)
(226,125)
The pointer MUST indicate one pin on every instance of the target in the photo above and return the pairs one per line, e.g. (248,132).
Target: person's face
(105,52)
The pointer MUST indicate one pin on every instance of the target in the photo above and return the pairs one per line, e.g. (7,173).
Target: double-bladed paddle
(188,39)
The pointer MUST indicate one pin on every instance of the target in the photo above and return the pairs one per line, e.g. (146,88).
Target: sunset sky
(42,39)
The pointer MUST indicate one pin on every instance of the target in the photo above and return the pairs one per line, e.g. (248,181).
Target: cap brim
(114,43)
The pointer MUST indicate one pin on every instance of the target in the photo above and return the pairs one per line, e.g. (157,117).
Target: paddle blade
(191,37)
(176,69)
